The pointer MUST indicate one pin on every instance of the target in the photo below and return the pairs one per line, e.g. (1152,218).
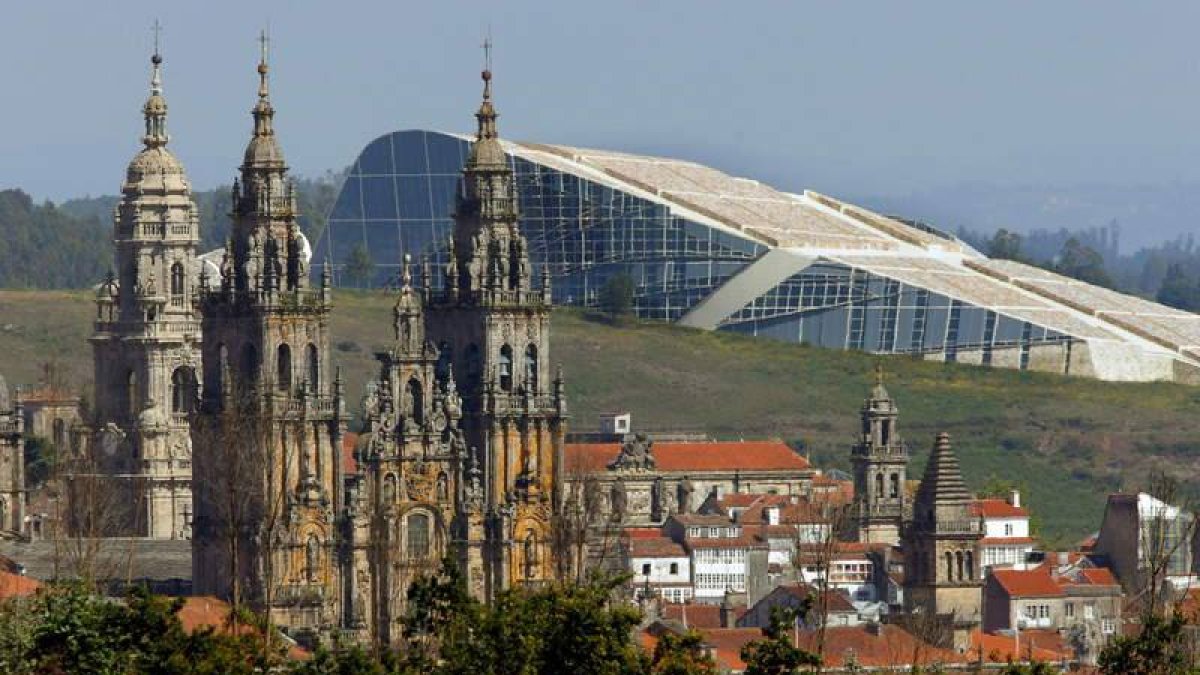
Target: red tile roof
(1037,645)
(685,457)
(744,541)
(642,532)
(206,611)
(835,601)
(997,508)
(699,615)
(661,547)
(16,585)
(1034,583)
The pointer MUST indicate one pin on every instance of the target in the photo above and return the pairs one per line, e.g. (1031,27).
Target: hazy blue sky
(846,97)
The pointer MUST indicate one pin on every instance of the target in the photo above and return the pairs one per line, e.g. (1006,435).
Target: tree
(1005,245)
(1179,289)
(775,654)
(1080,261)
(616,296)
(682,655)
(359,266)
(1159,648)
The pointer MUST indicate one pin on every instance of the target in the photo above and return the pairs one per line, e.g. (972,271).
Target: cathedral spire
(155,110)
(263,150)
(487,152)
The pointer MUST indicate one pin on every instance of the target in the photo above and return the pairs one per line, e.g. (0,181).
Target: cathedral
(146,340)
(460,454)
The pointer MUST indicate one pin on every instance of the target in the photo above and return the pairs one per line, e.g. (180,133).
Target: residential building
(660,566)
(1006,541)
(829,605)
(1139,529)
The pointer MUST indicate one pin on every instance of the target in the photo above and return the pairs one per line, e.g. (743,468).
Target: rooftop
(694,457)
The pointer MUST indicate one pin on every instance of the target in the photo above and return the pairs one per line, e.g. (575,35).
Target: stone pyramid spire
(943,482)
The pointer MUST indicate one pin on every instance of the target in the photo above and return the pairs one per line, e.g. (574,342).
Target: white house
(659,565)
(1006,542)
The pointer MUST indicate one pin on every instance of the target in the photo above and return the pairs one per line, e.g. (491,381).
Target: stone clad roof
(943,481)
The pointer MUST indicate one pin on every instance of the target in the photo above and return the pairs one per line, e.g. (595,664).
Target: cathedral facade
(146,340)
(462,431)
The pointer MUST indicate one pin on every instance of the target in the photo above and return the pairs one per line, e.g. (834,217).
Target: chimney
(727,610)
(1014,498)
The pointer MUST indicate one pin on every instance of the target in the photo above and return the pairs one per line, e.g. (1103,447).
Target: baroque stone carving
(635,455)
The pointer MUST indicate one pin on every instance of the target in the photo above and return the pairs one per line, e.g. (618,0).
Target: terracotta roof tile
(1034,583)
(1038,645)
(685,457)
(698,615)
(1005,541)
(997,508)
(744,541)
(16,585)
(662,547)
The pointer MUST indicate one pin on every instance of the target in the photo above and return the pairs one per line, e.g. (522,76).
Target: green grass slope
(1066,441)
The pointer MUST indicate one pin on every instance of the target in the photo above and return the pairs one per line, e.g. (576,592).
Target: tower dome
(155,169)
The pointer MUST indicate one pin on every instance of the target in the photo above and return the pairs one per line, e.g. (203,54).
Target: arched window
(958,560)
(313,361)
(445,353)
(949,566)
(885,432)
(530,554)
(504,368)
(183,390)
(177,281)
(970,558)
(132,396)
(312,554)
(416,401)
(283,367)
(878,485)
(474,366)
(531,367)
(895,486)
(389,490)
(60,433)
(249,365)
(416,528)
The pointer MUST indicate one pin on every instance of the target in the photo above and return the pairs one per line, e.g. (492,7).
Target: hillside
(1066,441)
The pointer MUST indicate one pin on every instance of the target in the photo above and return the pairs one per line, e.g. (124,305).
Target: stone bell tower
(268,437)
(145,346)
(941,549)
(880,461)
(493,326)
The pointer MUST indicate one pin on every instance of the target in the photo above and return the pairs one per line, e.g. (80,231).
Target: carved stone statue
(635,455)
(684,492)
(618,500)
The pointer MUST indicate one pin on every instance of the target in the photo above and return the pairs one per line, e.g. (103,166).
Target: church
(221,417)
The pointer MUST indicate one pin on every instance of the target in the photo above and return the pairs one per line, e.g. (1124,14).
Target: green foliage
(1035,668)
(556,628)
(1005,245)
(1161,647)
(358,265)
(1179,289)
(775,654)
(616,296)
(682,655)
(46,247)
(40,456)
(1080,261)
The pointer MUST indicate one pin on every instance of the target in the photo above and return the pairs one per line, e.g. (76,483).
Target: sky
(847,98)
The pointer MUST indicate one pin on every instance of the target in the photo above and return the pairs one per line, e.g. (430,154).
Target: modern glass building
(715,251)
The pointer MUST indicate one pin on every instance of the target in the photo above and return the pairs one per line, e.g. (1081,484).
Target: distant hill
(69,245)
(1066,441)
